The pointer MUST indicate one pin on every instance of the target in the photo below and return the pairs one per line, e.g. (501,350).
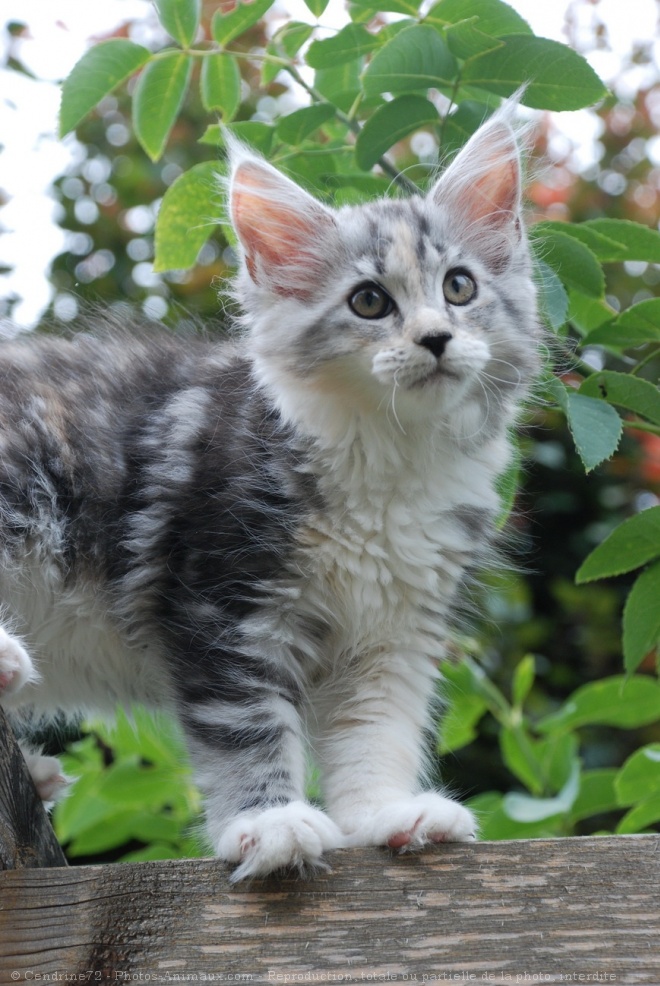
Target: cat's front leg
(372,755)
(248,752)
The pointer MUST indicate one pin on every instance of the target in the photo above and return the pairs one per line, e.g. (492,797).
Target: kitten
(268,537)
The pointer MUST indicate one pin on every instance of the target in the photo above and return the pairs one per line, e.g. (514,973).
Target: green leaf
(641,617)
(494,17)
(640,775)
(460,125)
(635,326)
(559,78)
(128,783)
(588,313)
(295,127)
(573,262)
(391,6)
(640,817)
(391,123)
(158,97)
(522,808)
(351,42)
(416,58)
(465,40)
(595,426)
(226,27)
(185,221)
(99,71)
(620,239)
(340,84)
(316,7)
(617,701)
(180,18)
(596,794)
(253,132)
(507,483)
(494,823)
(523,679)
(285,43)
(464,708)
(220,84)
(630,545)
(553,300)
(625,390)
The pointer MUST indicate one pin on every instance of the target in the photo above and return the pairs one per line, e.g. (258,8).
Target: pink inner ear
(281,227)
(493,197)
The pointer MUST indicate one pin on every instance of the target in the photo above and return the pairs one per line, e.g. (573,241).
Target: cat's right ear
(286,235)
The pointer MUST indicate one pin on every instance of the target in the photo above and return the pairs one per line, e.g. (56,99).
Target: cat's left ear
(286,234)
(482,189)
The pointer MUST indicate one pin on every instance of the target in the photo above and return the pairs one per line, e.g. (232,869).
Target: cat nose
(436,343)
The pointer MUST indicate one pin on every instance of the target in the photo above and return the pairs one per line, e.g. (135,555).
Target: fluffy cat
(268,537)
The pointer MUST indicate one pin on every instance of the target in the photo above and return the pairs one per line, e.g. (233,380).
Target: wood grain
(26,836)
(544,911)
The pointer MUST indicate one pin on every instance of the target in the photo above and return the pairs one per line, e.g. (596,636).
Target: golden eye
(370,301)
(459,287)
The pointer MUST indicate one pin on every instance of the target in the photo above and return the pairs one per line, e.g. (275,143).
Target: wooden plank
(545,911)
(26,835)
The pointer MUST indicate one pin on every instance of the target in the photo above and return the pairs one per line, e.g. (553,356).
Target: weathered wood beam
(544,911)
(26,835)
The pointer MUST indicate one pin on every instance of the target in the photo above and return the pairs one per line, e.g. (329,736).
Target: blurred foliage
(543,733)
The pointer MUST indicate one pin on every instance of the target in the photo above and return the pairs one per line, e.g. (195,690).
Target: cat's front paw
(47,775)
(417,821)
(16,668)
(291,836)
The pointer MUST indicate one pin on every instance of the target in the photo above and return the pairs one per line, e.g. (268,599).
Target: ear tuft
(483,188)
(284,232)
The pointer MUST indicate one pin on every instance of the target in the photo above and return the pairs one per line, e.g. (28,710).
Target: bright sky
(32,156)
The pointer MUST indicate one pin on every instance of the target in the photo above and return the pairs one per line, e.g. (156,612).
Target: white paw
(294,835)
(47,775)
(16,668)
(417,821)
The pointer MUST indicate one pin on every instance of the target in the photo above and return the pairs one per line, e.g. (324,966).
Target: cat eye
(459,287)
(370,301)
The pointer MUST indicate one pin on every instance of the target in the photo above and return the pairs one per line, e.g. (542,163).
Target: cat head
(424,304)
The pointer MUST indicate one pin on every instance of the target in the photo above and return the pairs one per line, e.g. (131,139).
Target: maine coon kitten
(268,537)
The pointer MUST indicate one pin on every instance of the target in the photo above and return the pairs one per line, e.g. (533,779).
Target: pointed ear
(285,233)
(482,188)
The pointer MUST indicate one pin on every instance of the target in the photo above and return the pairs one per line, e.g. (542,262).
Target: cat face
(423,304)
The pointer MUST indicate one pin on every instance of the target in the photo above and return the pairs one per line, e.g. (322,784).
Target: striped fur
(268,537)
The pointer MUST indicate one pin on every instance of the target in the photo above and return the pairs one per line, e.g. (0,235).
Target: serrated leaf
(626,702)
(180,18)
(295,127)
(340,84)
(390,123)
(465,40)
(635,326)
(622,239)
(416,58)
(253,132)
(99,71)
(184,221)
(494,17)
(557,77)
(371,7)
(553,300)
(641,619)
(227,27)
(632,544)
(460,125)
(220,84)
(640,775)
(572,261)
(625,390)
(158,97)
(588,313)
(595,426)
(351,42)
